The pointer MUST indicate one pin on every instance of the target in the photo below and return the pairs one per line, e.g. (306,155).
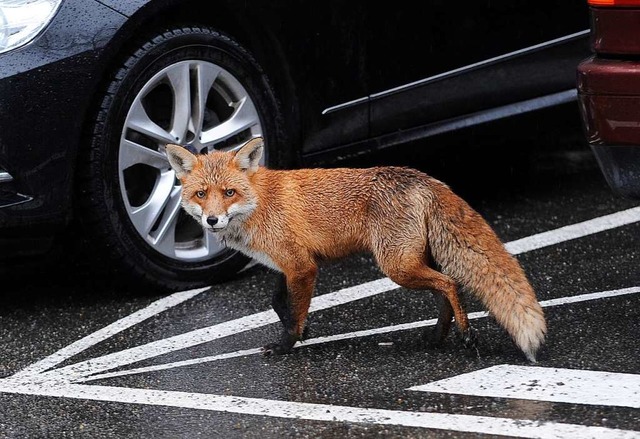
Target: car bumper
(609,97)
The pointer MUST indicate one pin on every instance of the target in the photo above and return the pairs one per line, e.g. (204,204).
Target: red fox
(422,235)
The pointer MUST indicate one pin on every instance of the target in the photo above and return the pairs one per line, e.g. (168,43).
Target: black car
(92,91)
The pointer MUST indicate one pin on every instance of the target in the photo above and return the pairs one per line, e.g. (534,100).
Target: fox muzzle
(216,222)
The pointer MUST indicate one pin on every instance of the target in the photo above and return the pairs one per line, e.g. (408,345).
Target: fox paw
(305,333)
(469,338)
(276,349)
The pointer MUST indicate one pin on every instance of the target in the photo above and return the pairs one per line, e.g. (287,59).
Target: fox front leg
(291,302)
(282,306)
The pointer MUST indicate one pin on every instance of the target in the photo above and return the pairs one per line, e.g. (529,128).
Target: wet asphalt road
(542,190)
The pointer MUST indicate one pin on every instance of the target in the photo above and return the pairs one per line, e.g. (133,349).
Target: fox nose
(212,220)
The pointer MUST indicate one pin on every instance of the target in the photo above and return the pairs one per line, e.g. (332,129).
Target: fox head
(216,187)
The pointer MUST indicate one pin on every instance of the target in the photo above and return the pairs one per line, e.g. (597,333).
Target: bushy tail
(469,251)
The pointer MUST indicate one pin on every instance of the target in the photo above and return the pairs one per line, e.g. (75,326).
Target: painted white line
(544,384)
(324,412)
(574,231)
(246,352)
(260,319)
(108,331)
(175,364)
(204,335)
(349,335)
(589,296)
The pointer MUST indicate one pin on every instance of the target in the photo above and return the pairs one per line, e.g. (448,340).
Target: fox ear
(181,160)
(248,156)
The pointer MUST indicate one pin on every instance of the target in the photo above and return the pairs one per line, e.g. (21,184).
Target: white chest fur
(242,244)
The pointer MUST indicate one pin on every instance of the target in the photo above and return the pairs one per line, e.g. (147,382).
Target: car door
(324,44)
(435,64)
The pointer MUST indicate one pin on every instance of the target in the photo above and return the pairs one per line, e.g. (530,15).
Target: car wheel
(192,86)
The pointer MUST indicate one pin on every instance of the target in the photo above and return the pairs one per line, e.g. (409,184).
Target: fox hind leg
(408,269)
(436,337)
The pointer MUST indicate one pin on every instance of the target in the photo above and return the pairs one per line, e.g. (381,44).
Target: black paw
(276,349)
(469,338)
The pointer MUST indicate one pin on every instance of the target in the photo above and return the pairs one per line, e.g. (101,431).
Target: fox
(421,234)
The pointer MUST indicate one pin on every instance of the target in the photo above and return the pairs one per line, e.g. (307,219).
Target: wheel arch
(241,22)
(143,25)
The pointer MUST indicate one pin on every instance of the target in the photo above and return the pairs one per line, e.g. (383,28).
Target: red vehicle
(609,92)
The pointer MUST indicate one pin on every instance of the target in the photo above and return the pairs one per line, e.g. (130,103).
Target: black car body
(327,79)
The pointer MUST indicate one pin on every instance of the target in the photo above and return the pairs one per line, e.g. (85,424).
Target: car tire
(132,225)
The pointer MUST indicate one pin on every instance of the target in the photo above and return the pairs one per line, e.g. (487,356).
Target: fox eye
(229,192)
(201,194)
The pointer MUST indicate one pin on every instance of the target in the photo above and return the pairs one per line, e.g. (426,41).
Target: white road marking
(574,231)
(108,331)
(349,335)
(544,384)
(324,412)
(257,320)
(368,289)
(204,335)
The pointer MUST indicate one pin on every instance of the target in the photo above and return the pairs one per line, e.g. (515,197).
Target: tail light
(614,3)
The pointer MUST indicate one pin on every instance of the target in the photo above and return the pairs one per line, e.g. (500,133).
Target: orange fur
(422,235)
